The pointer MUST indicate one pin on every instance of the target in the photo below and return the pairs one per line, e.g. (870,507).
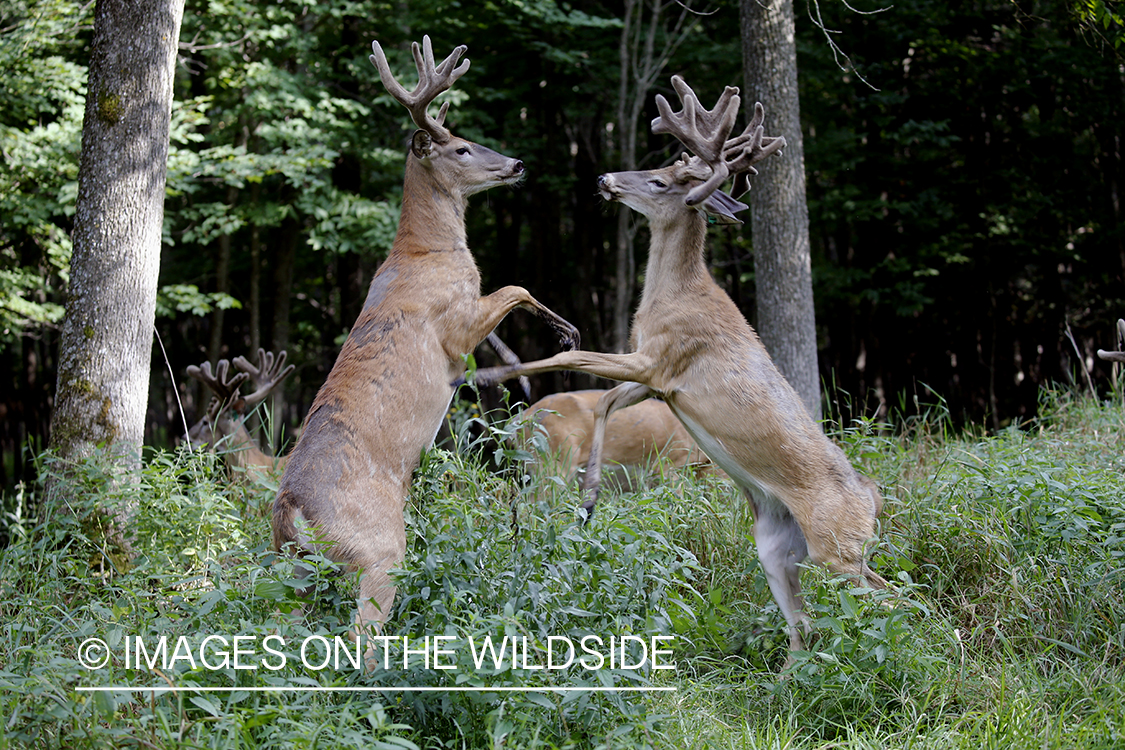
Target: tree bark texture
(786,317)
(106,340)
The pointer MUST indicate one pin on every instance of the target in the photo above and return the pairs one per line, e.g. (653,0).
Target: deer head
(692,183)
(228,407)
(463,165)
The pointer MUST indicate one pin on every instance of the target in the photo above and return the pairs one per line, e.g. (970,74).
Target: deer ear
(741,184)
(421,144)
(721,208)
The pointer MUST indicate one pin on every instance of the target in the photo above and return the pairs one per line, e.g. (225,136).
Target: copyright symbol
(93,653)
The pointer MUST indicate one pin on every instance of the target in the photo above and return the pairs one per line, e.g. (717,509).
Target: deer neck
(675,255)
(433,212)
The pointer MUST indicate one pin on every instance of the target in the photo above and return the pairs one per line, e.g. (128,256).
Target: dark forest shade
(964,208)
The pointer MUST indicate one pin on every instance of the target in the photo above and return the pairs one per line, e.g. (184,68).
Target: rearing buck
(695,350)
(223,426)
(347,478)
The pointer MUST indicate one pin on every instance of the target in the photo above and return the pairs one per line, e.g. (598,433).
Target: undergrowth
(1005,626)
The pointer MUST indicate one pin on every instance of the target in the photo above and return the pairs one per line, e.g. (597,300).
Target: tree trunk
(106,341)
(255,273)
(222,284)
(786,318)
(290,232)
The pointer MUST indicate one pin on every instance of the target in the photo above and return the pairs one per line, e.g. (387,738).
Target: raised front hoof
(569,339)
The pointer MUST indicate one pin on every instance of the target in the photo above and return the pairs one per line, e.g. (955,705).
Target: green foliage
(41,108)
(1003,627)
(959,199)
(1103,19)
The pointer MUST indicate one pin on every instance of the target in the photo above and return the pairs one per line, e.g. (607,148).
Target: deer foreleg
(635,367)
(620,397)
(508,357)
(492,309)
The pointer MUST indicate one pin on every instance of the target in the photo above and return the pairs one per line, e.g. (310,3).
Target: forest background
(963,164)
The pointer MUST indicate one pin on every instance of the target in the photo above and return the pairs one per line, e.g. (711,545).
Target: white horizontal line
(391,689)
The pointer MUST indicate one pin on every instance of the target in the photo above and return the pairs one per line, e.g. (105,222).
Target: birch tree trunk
(106,340)
(786,317)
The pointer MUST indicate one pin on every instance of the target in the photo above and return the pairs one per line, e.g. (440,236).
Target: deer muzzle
(515,171)
(607,187)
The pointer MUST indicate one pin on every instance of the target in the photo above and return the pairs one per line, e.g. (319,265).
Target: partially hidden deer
(347,480)
(694,349)
(640,435)
(223,427)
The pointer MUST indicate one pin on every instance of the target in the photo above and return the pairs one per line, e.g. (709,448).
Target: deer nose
(603,181)
(517,168)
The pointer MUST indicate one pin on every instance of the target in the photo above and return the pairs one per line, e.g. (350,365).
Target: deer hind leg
(291,528)
(781,548)
(620,397)
(836,539)
(376,597)
(376,588)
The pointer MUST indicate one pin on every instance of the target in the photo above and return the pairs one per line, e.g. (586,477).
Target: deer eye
(463,150)
(658,183)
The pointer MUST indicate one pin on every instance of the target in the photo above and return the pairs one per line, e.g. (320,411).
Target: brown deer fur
(348,477)
(223,426)
(696,351)
(240,451)
(640,435)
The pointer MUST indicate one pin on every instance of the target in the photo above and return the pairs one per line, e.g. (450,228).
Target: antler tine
(752,146)
(432,80)
(267,375)
(224,387)
(214,408)
(701,130)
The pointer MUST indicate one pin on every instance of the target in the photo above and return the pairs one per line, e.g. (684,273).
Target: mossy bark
(786,319)
(106,340)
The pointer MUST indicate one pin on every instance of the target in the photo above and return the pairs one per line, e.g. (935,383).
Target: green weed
(1005,626)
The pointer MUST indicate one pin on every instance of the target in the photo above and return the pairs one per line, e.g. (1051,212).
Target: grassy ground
(1006,628)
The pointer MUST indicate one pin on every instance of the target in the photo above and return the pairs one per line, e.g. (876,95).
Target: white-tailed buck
(223,427)
(1118,356)
(694,349)
(348,477)
(639,435)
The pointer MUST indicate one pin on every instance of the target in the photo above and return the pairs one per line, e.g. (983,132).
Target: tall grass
(1005,628)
